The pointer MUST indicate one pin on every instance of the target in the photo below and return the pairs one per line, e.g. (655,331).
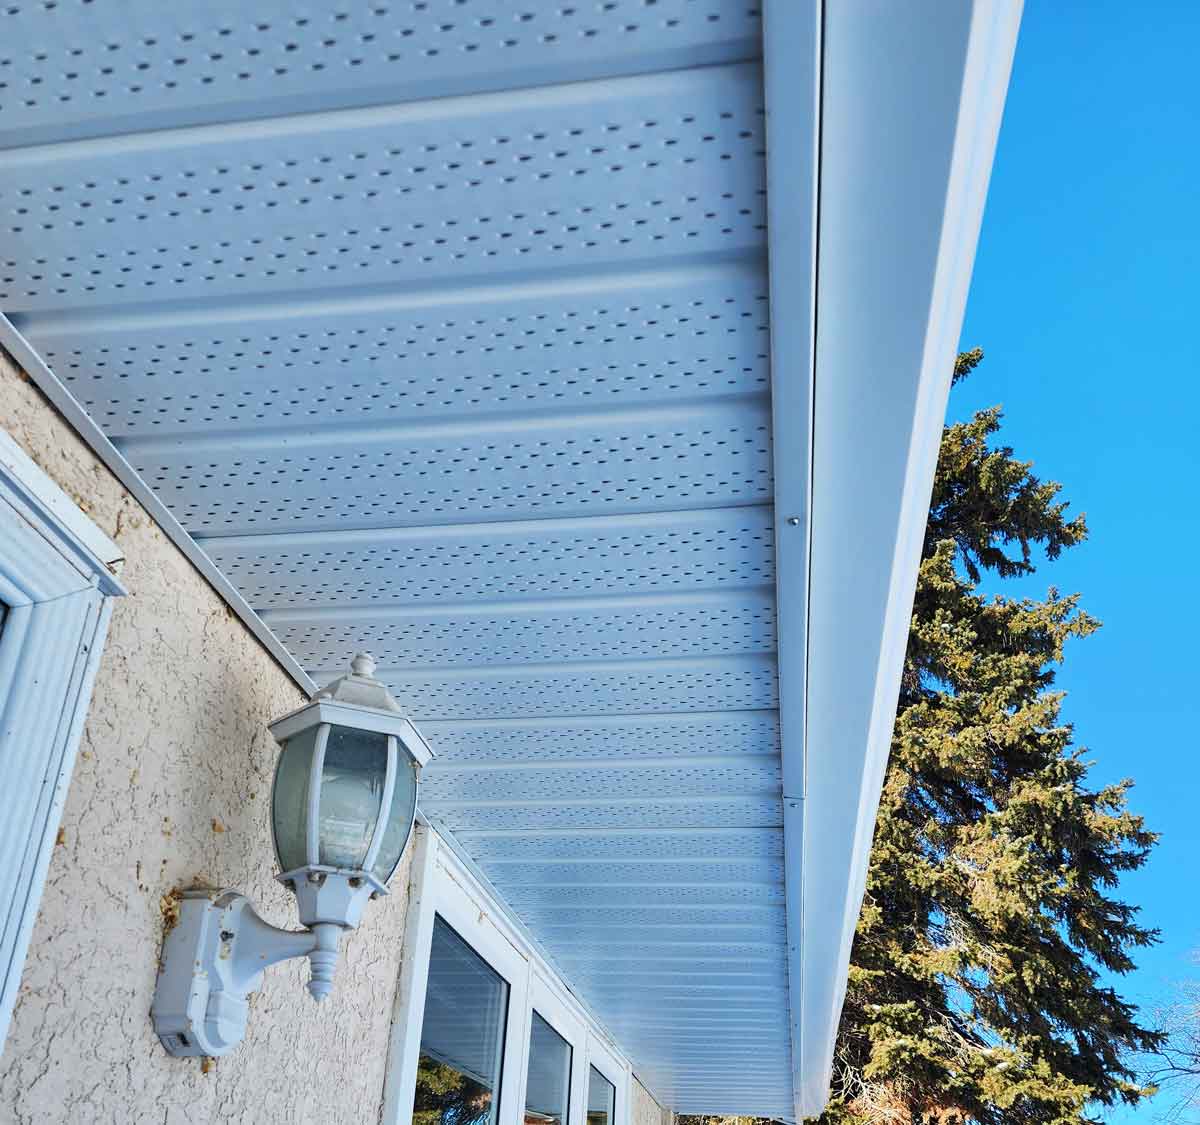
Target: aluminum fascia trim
(792,87)
(910,128)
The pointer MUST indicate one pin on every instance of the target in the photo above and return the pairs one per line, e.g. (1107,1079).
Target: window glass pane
(548,1089)
(602,1099)
(462,1036)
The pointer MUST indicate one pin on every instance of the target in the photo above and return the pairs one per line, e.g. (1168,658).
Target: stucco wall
(646,1111)
(172,787)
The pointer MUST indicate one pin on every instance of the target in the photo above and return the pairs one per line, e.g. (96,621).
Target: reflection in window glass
(602,1099)
(548,1089)
(462,1036)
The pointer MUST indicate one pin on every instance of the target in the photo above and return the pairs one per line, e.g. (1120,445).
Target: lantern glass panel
(289,800)
(352,779)
(400,817)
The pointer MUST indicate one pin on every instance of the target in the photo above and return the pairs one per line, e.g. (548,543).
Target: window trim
(431,897)
(455,907)
(443,884)
(546,1000)
(610,1067)
(57,578)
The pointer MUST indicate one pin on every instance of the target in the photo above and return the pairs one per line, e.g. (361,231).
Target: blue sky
(1085,299)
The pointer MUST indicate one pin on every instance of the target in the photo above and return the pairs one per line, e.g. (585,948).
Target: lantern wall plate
(227,947)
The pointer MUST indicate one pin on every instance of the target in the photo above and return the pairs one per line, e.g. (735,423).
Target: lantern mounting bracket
(212,960)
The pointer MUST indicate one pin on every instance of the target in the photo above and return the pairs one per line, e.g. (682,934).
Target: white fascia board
(912,95)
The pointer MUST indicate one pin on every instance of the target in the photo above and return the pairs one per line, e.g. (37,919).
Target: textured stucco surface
(645,1110)
(172,787)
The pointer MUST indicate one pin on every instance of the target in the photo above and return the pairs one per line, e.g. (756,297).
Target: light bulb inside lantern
(349,809)
(352,782)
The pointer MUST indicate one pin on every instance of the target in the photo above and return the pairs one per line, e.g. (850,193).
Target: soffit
(443,329)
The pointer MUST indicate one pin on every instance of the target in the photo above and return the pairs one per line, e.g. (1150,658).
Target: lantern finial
(360,688)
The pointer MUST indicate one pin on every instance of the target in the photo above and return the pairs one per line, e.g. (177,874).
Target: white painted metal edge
(985,67)
(56,391)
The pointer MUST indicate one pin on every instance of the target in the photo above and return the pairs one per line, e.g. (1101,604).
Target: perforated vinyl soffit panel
(443,329)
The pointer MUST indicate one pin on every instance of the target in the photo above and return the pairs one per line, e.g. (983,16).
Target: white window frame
(444,884)
(549,1003)
(57,580)
(612,1068)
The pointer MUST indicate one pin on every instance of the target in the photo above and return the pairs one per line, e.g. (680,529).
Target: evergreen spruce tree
(992,921)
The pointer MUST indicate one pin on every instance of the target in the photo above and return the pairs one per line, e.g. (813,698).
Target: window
(56,590)
(548,1084)
(462,1036)
(485,1032)
(602,1099)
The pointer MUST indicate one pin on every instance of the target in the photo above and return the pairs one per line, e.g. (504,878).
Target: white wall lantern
(342,810)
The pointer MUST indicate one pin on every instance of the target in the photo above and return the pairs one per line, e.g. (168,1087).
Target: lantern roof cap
(358,700)
(359,687)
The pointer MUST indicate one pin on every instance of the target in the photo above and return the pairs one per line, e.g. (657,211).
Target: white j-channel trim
(57,582)
(61,519)
(909,127)
(56,391)
(792,85)
(442,884)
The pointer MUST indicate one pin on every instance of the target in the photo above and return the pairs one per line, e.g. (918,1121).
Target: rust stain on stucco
(168,907)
